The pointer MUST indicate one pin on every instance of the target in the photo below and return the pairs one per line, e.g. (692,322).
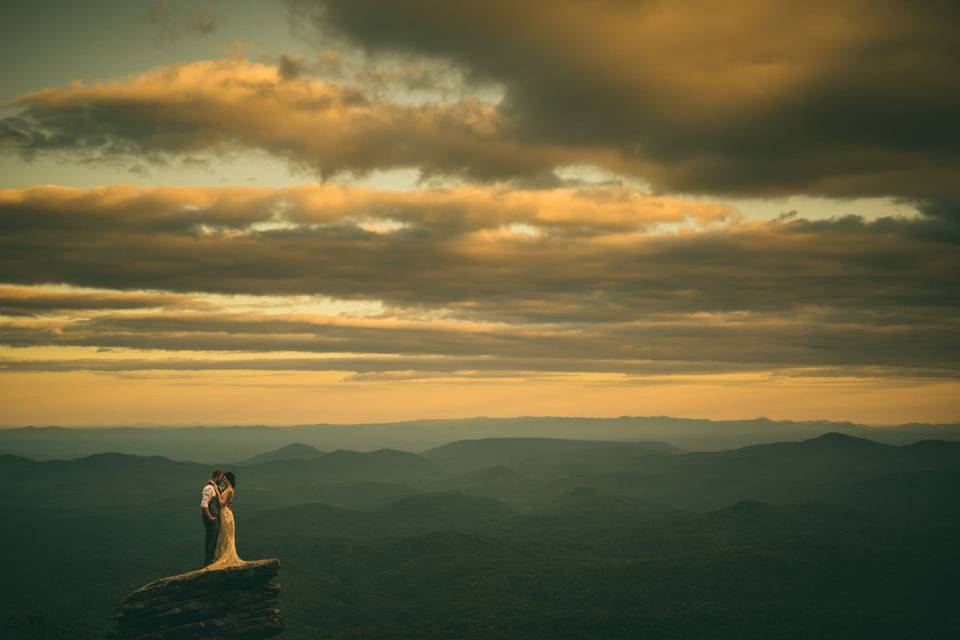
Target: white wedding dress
(226,552)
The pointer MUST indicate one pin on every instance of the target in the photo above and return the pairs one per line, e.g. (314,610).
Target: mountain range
(533,537)
(235,444)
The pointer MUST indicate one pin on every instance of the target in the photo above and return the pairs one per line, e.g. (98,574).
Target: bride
(226,552)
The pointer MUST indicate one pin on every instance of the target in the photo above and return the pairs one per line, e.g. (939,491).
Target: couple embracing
(216,508)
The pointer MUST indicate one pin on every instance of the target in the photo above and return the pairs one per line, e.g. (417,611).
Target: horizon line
(157,426)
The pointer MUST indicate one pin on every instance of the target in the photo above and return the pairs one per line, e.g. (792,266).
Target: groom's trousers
(211,532)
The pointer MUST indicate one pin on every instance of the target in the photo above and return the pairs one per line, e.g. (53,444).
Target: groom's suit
(210,500)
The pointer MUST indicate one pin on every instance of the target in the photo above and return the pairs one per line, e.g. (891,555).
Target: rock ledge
(239,602)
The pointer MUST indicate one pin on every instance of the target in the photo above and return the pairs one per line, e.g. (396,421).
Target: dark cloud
(502,281)
(373,368)
(684,344)
(839,99)
(845,98)
(444,250)
(173,19)
(290,67)
(26,301)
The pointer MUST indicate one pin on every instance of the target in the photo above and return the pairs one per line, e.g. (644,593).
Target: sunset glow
(320,212)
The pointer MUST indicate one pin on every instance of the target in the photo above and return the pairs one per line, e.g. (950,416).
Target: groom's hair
(216,474)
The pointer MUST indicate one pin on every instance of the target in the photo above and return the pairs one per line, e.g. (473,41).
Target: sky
(289,212)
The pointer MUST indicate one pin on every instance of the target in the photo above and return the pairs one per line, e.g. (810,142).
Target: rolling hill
(293,451)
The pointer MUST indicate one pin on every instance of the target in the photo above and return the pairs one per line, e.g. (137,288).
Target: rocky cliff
(238,602)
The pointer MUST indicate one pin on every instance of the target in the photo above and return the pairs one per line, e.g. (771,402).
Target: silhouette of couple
(216,507)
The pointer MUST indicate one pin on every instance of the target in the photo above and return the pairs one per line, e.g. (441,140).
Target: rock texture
(238,602)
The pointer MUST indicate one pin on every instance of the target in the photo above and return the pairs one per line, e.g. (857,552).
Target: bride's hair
(231,478)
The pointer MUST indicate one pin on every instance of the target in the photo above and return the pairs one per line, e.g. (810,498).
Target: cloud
(393,369)
(532,254)
(21,301)
(477,278)
(246,212)
(849,98)
(172,19)
(763,100)
(221,106)
(290,67)
(682,344)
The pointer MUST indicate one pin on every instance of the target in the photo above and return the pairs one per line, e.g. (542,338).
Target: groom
(210,510)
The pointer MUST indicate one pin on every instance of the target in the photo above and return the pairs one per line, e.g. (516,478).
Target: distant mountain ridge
(466,456)
(240,443)
(293,451)
(538,471)
(116,479)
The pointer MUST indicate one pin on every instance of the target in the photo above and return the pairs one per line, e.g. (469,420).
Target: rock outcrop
(237,602)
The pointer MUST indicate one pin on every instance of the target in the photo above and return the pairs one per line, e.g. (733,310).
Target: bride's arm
(225,496)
